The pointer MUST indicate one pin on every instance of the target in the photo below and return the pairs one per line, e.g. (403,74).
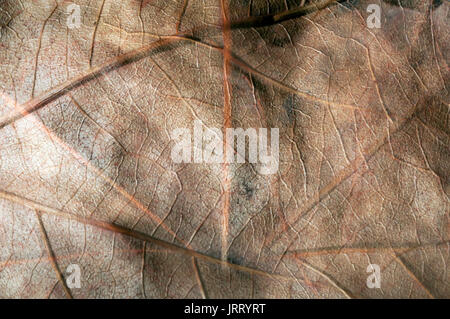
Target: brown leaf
(87,178)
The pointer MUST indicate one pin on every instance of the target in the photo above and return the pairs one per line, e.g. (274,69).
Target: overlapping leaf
(86,175)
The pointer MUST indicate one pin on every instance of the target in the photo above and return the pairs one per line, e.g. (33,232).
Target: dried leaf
(87,111)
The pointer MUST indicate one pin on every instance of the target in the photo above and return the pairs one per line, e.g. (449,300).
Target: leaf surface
(86,175)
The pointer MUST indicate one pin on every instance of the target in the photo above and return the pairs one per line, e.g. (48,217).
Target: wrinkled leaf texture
(85,170)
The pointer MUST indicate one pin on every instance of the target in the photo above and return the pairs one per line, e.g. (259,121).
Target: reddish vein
(226,33)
